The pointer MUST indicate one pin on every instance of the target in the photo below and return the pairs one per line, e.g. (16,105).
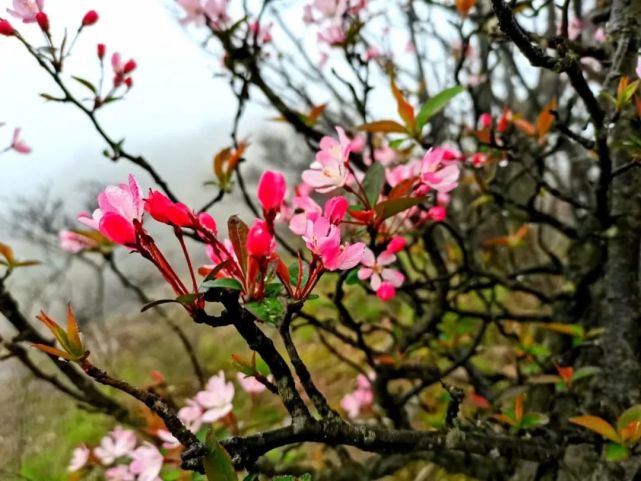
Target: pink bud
(90,18)
(161,208)
(129,67)
(422,190)
(260,242)
(207,222)
(437,213)
(129,82)
(396,245)
(336,208)
(486,120)
(386,291)
(271,190)
(101,50)
(43,21)
(6,29)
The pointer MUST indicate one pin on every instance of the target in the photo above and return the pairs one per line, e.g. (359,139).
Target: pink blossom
(164,210)
(79,458)
(119,473)
(196,11)
(146,463)
(386,291)
(435,174)
(400,173)
(168,439)
(119,442)
(375,269)
(337,256)
(599,35)
(333,35)
(26,10)
(638,69)
(271,190)
(191,415)
(575,27)
(216,399)
(385,155)
(118,207)
(372,53)
(479,159)
(330,8)
(328,172)
(361,398)
(74,242)
(250,384)
(410,47)
(263,33)
(309,210)
(336,208)
(260,241)
(437,213)
(485,120)
(18,144)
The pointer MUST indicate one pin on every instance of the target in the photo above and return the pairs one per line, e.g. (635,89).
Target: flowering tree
(471,255)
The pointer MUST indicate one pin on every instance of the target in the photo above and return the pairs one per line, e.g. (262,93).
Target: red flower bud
(6,29)
(129,82)
(336,208)
(101,50)
(386,292)
(271,190)
(207,222)
(260,242)
(396,245)
(161,208)
(129,67)
(43,21)
(90,18)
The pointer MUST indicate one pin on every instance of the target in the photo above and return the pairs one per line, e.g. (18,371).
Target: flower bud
(396,245)
(90,18)
(207,222)
(43,21)
(129,67)
(101,50)
(386,292)
(486,120)
(6,29)
(161,208)
(437,213)
(129,82)
(336,208)
(260,243)
(271,190)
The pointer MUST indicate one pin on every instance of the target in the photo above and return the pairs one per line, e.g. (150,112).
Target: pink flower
(361,398)
(486,120)
(168,439)
(216,399)
(478,159)
(250,384)
(196,10)
(73,242)
(336,208)
(260,242)
(271,190)
(119,442)
(435,174)
(599,35)
(437,213)
(328,172)
(161,208)
(385,155)
(146,463)
(18,144)
(372,53)
(396,245)
(330,8)
(309,210)
(191,415)
(324,240)
(118,207)
(375,269)
(79,458)
(263,33)
(400,173)
(119,473)
(26,10)
(638,69)
(334,36)
(575,27)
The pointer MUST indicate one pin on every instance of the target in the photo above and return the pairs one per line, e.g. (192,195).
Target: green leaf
(534,420)
(435,105)
(217,463)
(615,452)
(585,371)
(86,83)
(396,143)
(305,477)
(373,182)
(186,298)
(251,477)
(352,277)
(225,283)
(293,274)
(267,310)
(390,208)
(261,367)
(273,289)
(157,302)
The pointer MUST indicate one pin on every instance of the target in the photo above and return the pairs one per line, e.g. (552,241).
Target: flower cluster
(361,399)
(121,456)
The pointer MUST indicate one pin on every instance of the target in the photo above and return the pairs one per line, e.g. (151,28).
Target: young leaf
(267,310)
(389,208)
(464,6)
(86,83)
(373,182)
(435,105)
(158,302)
(405,110)
(217,463)
(237,231)
(630,415)
(545,119)
(73,333)
(598,425)
(383,126)
(223,283)
(52,351)
(615,452)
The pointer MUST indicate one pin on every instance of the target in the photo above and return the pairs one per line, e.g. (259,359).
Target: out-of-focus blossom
(400,173)
(263,33)
(396,245)
(333,35)
(168,439)
(216,399)
(271,190)
(330,8)
(119,442)
(638,69)
(191,415)
(309,210)
(146,463)
(479,159)
(360,399)
(329,172)
(79,458)
(90,18)
(73,242)
(26,10)
(196,11)
(436,213)
(121,69)
(164,210)
(599,35)
(250,384)
(119,473)
(575,27)
(372,53)
(485,120)
(118,207)
(260,242)
(375,269)
(386,292)
(18,144)
(435,174)
(6,28)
